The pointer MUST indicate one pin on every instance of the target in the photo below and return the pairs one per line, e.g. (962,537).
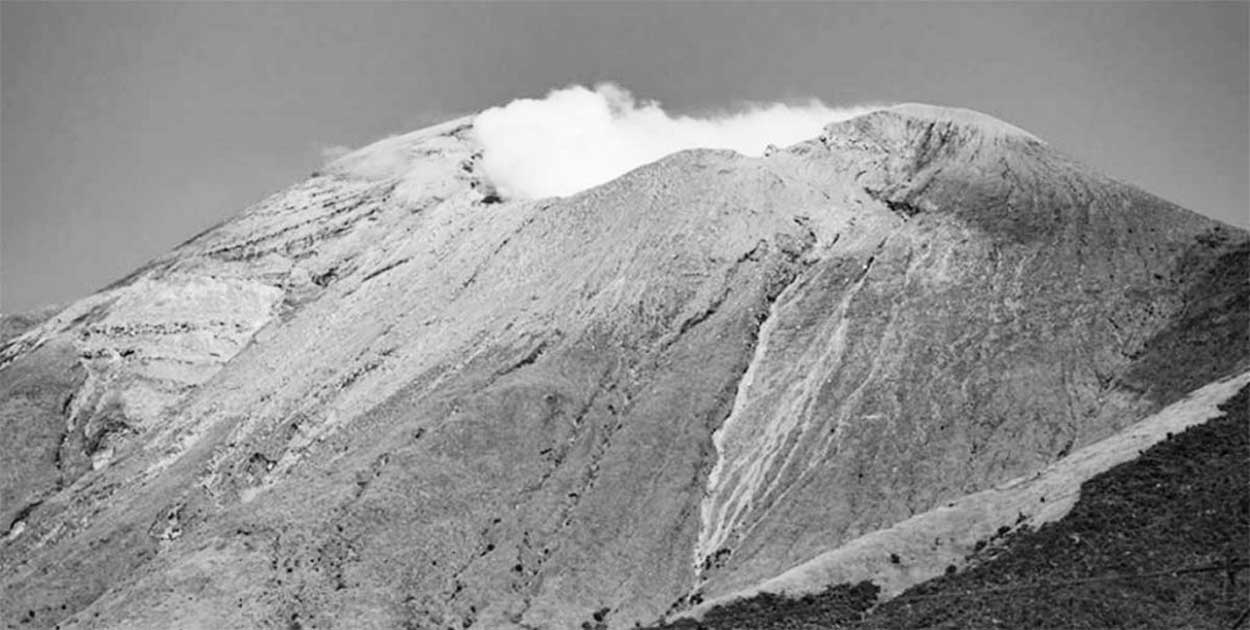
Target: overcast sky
(128,127)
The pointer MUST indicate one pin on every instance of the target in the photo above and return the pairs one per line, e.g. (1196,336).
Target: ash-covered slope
(1159,541)
(384,398)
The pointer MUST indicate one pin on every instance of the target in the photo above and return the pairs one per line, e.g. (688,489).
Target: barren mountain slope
(384,398)
(1161,540)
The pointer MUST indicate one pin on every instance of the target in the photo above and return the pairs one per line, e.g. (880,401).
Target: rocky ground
(386,397)
(1162,541)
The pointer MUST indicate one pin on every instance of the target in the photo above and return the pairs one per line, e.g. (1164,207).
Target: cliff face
(386,398)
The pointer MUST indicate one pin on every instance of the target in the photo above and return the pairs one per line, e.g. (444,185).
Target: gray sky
(127,127)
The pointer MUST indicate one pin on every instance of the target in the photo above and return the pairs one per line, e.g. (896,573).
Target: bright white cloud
(576,137)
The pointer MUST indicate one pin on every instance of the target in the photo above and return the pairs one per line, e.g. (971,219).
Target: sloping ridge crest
(982,122)
(390,156)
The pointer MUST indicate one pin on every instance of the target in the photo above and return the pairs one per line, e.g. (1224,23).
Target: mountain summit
(387,397)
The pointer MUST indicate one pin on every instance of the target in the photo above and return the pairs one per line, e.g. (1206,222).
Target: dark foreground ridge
(1162,541)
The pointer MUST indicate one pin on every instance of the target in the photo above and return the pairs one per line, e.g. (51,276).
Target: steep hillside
(1162,541)
(1179,516)
(931,543)
(388,398)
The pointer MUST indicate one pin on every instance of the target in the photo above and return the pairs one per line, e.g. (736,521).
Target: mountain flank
(387,397)
(1159,541)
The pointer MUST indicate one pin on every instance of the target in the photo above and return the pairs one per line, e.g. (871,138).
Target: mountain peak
(384,398)
(924,133)
(968,118)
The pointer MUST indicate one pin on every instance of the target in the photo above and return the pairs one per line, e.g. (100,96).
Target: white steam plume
(576,138)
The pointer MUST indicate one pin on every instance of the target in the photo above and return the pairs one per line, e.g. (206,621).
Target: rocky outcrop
(387,398)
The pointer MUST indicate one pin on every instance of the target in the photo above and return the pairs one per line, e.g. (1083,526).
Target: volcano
(387,397)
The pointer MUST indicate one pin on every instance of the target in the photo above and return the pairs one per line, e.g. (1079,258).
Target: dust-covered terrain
(391,397)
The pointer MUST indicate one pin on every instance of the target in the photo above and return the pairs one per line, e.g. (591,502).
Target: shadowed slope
(1181,505)
(1157,542)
